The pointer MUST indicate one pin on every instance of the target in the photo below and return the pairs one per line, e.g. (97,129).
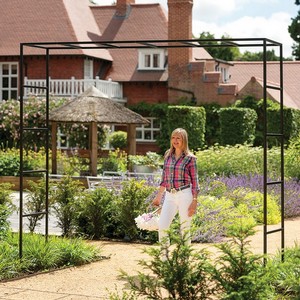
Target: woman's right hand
(156,201)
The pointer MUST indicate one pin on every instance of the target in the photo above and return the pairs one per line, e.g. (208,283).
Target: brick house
(134,75)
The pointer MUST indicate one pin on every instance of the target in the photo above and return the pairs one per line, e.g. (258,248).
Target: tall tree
(225,53)
(294,30)
(233,53)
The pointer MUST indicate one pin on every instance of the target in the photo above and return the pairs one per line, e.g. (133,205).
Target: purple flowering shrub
(208,224)
(215,216)
(254,182)
(253,201)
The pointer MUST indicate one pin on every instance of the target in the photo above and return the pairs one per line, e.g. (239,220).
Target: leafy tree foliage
(224,53)
(259,56)
(233,53)
(294,30)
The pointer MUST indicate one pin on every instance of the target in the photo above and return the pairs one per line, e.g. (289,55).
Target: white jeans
(173,203)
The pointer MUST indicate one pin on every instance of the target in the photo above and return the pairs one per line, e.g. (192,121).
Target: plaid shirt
(181,172)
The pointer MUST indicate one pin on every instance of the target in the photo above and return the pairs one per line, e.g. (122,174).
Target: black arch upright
(261,43)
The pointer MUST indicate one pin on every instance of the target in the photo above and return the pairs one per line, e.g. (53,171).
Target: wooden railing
(73,87)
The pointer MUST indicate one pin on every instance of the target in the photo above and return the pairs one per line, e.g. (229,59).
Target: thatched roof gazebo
(93,107)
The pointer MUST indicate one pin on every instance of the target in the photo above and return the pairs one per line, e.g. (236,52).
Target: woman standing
(180,181)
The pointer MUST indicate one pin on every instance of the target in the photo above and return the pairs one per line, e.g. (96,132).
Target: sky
(241,19)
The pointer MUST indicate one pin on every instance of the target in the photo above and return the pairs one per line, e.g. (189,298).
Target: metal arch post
(265,151)
(47,144)
(21,151)
(267,134)
(22,129)
(282,202)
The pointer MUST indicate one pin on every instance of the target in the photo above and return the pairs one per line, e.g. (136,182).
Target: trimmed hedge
(291,126)
(237,126)
(192,119)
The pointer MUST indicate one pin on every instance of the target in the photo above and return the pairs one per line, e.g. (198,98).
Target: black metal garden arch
(262,43)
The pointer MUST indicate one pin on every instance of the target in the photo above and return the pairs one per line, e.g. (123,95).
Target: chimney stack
(179,28)
(122,7)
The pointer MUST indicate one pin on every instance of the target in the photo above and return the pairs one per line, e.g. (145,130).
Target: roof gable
(142,22)
(242,72)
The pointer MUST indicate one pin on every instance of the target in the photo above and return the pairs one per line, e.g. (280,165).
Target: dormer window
(152,59)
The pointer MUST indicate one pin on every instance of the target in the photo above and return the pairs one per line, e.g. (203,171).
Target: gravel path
(97,280)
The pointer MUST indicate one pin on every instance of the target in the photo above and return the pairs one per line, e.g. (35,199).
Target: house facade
(130,76)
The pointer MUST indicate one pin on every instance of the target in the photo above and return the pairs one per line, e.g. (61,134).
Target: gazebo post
(131,141)
(53,147)
(93,148)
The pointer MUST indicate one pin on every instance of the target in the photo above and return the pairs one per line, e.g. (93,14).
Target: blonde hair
(182,132)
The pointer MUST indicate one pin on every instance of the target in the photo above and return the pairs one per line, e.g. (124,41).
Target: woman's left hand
(192,208)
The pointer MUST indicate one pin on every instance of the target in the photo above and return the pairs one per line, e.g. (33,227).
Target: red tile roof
(143,22)
(25,21)
(242,72)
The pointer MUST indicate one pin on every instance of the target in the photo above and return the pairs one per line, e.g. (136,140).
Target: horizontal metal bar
(35,214)
(274,182)
(273,87)
(34,171)
(275,230)
(274,134)
(35,87)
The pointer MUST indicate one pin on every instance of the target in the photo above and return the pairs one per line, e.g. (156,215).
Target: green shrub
(236,273)
(215,216)
(239,273)
(185,274)
(118,139)
(234,160)
(237,126)
(36,202)
(292,159)
(192,119)
(10,161)
(254,202)
(130,204)
(66,198)
(6,208)
(291,126)
(151,159)
(258,106)
(115,162)
(212,125)
(284,276)
(96,215)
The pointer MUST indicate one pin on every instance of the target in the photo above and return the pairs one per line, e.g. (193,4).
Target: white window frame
(143,129)
(224,73)
(88,69)
(143,53)
(10,76)
(60,136)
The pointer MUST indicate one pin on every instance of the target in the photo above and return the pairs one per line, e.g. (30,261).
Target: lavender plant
(254,182)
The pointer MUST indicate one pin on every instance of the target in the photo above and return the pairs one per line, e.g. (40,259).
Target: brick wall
(150,92)
(187,77)
(59,67)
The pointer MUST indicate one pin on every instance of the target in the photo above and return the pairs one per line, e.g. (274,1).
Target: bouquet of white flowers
(148,221)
